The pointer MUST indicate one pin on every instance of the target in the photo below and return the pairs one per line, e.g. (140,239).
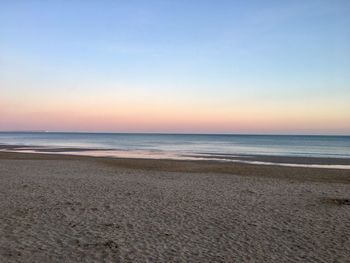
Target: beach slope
(57,208)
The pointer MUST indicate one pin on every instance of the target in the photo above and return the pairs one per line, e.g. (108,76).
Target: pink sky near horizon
(174,117)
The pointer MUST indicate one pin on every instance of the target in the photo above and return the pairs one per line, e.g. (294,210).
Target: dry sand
(82,209)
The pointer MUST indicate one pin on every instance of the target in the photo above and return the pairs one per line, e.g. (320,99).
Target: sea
(179,146)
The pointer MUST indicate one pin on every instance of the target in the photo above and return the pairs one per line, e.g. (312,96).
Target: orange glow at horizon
(166,117)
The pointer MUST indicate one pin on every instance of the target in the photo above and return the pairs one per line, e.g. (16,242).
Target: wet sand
(60,208)
(244,158)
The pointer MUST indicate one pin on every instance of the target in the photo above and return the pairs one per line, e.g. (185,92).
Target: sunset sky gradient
(176,66)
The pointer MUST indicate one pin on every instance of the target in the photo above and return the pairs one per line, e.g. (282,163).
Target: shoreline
(198,166)
(254,159)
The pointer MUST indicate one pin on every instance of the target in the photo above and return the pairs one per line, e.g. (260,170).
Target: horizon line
(174,133)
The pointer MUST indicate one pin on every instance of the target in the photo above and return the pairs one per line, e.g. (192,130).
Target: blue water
(188,144)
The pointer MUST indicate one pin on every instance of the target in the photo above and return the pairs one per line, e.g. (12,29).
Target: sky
(182,66)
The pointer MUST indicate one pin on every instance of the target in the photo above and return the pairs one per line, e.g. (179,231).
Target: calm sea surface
(180,145)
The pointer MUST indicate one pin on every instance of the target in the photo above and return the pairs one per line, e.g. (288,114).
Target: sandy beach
(58,208)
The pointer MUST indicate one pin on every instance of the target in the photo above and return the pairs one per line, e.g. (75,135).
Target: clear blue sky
(191,66)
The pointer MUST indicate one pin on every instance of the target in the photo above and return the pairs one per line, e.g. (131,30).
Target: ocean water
(182,146)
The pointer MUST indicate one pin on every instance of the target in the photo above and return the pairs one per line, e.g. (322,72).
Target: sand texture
(80,209)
